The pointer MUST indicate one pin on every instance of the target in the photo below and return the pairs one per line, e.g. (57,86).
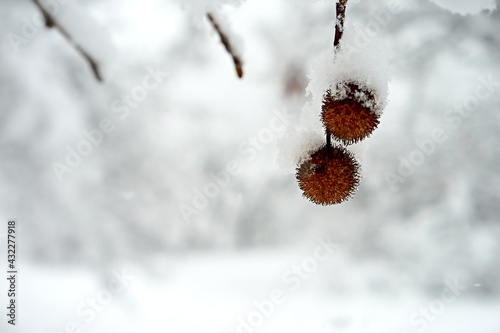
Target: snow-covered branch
(339,24)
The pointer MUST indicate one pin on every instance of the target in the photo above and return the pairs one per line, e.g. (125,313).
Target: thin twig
(227,44)
(50,22)
(339,23)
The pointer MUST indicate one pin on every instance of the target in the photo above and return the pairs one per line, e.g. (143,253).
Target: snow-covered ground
(245,291)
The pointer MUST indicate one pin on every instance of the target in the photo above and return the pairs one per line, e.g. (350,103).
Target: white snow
(197,9)
(216,292)
(296,147)
(464,7)
(121,203)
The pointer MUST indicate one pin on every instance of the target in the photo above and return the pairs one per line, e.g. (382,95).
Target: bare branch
(50,22)
(227,44)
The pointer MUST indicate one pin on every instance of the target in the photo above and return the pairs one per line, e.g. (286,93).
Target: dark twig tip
(49,23)
(239,71)
(96,70)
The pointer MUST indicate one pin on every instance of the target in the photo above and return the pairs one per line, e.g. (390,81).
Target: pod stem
(339,31)
(339,22)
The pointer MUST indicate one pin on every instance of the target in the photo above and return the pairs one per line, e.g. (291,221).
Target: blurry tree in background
(122,201)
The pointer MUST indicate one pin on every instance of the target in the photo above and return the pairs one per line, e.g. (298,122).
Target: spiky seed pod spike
(350,113)
(330,176)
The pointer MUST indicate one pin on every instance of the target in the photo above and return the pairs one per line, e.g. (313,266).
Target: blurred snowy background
(125,239)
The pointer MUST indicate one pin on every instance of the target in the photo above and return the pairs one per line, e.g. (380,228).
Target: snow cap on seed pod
(358,71)
(350,112)
(330,176)
(295,147)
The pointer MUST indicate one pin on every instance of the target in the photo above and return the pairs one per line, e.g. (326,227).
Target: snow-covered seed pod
(350,112)
(330,176)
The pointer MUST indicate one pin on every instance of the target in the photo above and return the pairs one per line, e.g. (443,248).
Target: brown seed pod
(350,113)
(330,176)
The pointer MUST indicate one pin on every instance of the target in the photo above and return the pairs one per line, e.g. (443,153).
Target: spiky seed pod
(330,176)
(350,113)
